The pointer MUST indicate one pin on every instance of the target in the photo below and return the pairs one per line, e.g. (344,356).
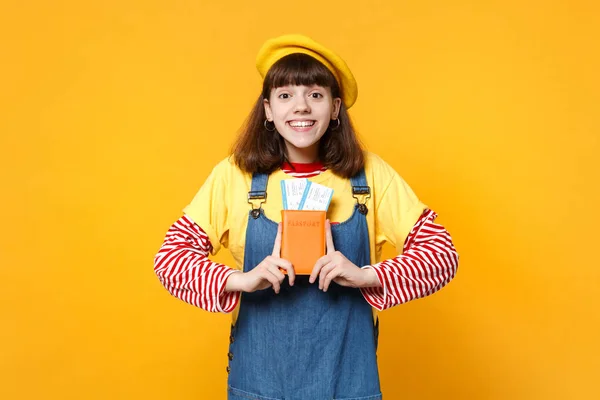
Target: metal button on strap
(227,369)
(253,196)
(230,355)
(231,339)
(362,191)
(362,208)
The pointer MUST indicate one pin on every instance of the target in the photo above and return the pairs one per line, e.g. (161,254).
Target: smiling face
(301,115)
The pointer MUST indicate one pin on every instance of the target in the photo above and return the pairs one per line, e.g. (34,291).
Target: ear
(337,104)
(268,109)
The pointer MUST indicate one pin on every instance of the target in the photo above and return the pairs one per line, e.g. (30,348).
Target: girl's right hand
(264,275)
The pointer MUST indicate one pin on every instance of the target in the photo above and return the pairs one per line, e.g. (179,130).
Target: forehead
(301,87)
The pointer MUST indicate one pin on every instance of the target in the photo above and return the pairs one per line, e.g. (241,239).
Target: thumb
(277,245)
(329,238)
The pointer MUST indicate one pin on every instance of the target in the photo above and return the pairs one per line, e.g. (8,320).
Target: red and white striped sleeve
(183,267)
(428,262)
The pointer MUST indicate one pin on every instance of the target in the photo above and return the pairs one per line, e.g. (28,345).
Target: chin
(303,144)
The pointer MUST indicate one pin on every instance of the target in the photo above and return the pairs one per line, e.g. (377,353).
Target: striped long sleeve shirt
(428,262)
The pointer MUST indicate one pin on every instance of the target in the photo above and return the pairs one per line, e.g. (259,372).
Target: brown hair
(260,150)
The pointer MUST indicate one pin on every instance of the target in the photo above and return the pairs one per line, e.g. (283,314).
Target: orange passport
(302,238)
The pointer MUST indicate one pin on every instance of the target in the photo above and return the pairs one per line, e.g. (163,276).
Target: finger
(317,268)
(329,238)
(324,271)
(334,273)
(277,245)
(274,269)
(288,267)
(268,275)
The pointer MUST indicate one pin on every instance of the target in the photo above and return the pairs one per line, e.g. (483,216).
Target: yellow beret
(274,49)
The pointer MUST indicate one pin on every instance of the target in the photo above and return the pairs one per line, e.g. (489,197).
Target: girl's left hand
(335,266)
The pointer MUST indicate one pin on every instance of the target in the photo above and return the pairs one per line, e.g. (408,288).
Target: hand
(264,275)
(334,266)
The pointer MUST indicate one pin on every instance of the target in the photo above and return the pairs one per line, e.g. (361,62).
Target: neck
(303,156)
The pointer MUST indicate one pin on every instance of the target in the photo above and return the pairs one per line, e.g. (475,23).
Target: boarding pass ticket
(301,194)
(292,191)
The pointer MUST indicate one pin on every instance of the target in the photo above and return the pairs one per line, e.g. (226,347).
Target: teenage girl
(297,337)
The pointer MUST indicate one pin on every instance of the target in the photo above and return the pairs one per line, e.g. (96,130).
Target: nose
(301,105)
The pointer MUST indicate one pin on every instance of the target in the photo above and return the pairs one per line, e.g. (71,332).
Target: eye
(284,96)
(316,95)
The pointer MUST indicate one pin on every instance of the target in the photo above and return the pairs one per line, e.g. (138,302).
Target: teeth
(302,123)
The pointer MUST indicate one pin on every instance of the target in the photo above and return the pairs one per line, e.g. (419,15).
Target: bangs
(299,69)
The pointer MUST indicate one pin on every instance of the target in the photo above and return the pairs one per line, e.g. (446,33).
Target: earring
(337,126)
(267,128)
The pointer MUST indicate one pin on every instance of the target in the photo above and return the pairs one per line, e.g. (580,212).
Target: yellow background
(113,113)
